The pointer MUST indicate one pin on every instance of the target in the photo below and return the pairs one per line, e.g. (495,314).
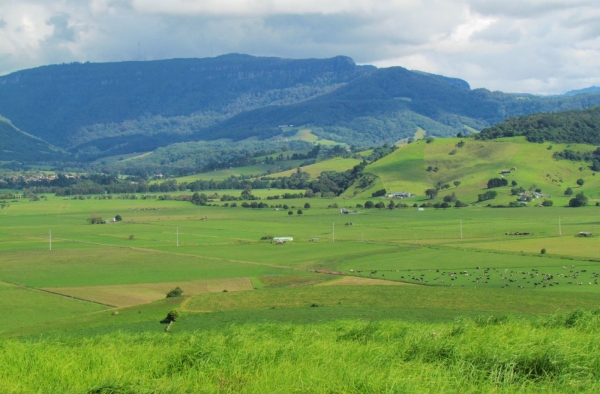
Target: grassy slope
(253,170)
(336,164)
(486,355)
(477,162)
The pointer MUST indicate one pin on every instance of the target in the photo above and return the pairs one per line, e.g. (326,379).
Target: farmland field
(421,269)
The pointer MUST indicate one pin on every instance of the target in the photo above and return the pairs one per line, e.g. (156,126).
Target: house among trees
(400,195)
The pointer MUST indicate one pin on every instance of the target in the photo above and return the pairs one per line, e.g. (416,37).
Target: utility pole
(333,233)
(177,236)
(50,238)
(460,228)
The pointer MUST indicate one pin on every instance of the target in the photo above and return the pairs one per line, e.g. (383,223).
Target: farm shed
(584,234)
(400,195)
(283,239)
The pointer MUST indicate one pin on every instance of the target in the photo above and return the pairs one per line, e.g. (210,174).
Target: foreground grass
(553,354)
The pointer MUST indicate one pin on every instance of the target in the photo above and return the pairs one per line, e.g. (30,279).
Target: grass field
(477,162)
(554,355)
(414,286)
(135,294)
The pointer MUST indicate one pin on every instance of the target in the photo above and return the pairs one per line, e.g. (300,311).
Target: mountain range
(92,110)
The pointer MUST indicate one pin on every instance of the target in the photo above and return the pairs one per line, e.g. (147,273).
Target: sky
(533,46)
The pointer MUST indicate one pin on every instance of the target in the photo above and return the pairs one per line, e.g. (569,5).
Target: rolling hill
(477,162)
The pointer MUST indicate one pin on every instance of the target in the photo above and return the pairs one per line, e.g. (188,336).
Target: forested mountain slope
(19,146)
(390,104)
(105,109)
(69,103)
(564,127)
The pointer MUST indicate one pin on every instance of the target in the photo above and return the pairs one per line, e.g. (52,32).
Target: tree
(497,182)
(4,205)
(380,205)
(306,206)
(456,183)
(247,193)
(450,198)
(176,292)
(299,212)
(580,182)
(580,200)
(445,205)
(118,218)
(431,193)
(489,195)
(285,206)
(547,203)
(513,183)
(391,205)
(369,204)
(569,192)
(95,219)
(290,213)
(172,315)
(199,199)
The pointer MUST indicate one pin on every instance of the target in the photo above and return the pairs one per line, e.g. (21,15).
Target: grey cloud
(525,9)
(538,46)
(62,31)
(504,33)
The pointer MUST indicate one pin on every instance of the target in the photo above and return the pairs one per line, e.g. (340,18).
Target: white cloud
(540,46)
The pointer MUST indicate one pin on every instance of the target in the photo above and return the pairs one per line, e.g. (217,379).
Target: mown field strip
(135,294)
(53,292)
(166,252)
(358,281)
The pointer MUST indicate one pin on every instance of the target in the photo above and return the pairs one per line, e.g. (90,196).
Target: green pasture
(171,243)
(477,162)
(252,171)
(308,136)
(432,298)
(31,308)
(336,164)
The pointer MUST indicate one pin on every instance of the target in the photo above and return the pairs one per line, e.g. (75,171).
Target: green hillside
(571,126)
(97,110)
(389,104)
(20,146)
(479,161)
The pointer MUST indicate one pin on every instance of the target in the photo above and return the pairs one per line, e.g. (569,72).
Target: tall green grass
(553,354)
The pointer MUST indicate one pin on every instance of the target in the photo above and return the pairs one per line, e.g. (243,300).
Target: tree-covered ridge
(16,145)
(390,104)
(105,109)
(564,127)
(56,102)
